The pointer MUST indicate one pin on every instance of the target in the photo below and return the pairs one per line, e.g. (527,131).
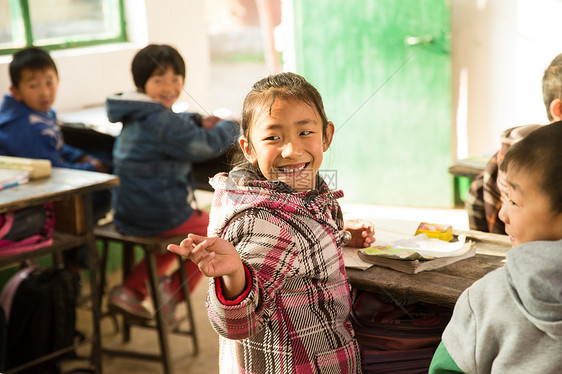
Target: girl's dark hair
(153,57)
(540,151)
(283,86)
(32,58)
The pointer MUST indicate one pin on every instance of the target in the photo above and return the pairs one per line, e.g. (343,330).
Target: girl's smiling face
(527,213)
(164,86)
(287,143)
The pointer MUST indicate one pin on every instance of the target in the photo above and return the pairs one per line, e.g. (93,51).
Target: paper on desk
(12,178)
(391,230)
(420,246)
(351,259)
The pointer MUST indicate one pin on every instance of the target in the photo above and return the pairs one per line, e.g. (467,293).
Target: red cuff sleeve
(243,295)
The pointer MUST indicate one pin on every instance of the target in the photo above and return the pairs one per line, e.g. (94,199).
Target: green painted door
(383,69)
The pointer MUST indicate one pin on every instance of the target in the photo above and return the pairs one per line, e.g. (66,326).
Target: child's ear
(247,149)
(15,93)
(328,136)
(556,110)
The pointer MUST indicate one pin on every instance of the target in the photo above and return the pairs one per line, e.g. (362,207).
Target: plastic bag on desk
(26,229)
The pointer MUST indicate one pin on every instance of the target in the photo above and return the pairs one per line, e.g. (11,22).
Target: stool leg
(103,264)
(157,300)
(128,263)
(103,283)
(185,291)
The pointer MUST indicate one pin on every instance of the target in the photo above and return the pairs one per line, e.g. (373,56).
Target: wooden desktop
(441,286)
(70,191)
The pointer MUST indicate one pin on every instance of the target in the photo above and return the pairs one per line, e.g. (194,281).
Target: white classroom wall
(499,51)
(88,75)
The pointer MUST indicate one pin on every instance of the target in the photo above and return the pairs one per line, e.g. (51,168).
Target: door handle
(418,40)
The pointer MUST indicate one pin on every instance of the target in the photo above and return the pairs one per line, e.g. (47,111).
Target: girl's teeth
(284,170)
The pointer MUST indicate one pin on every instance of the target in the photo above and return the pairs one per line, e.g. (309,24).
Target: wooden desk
(466,168)
(442,286)
(70,190)
(469,167)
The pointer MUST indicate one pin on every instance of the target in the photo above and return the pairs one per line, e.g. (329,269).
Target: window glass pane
(12,34)
(60,21)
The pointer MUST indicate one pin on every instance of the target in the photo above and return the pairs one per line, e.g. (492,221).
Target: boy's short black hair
(540,150)
(552,83)
(32,58)
(154,57)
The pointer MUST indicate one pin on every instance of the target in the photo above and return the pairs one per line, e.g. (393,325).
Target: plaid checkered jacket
(294,318)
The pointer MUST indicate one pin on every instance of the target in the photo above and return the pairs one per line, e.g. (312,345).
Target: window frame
(20,15)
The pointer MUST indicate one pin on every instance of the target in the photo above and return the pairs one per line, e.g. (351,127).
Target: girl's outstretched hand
(215,257)
(362,233)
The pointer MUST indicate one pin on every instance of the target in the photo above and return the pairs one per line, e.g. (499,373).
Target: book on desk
(414,265)
(411,247)
(35,168)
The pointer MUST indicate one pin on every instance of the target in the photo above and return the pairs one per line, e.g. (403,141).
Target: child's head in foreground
(159,72)
(285,130)
(533,170)
(34,78)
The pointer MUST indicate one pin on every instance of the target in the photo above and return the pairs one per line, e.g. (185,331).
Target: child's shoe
(124,300)
(169,302)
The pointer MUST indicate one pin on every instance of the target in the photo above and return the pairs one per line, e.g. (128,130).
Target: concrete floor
(146,340)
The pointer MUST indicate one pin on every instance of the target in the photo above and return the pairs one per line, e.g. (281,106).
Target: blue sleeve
(69,153)
(69,156)
(183,139)
(442,362)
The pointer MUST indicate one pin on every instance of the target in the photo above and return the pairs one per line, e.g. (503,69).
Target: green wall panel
(390,101)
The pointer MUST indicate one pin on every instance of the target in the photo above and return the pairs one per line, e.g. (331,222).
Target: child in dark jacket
(153,158)
(29,128)
(28,123)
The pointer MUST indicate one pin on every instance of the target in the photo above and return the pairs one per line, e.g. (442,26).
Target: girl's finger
(187,242)
(196,238)
(200,251)
(180,250)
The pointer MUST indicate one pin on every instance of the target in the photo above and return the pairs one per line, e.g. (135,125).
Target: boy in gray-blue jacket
(153,158)
(510,321)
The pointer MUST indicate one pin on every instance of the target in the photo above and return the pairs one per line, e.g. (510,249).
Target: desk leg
(94,294)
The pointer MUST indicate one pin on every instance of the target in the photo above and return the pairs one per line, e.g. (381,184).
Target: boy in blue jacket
(29,128)
(28,123)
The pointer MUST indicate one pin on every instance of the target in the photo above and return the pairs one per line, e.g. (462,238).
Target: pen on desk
(8,185)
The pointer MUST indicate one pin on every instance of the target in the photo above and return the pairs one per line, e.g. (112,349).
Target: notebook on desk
(398,247)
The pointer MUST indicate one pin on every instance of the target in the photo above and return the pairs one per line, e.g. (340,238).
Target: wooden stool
(151,246)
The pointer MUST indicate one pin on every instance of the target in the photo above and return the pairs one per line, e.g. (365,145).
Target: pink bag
(26,229)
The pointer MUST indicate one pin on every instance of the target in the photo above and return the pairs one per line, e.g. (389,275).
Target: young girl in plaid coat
(278,296)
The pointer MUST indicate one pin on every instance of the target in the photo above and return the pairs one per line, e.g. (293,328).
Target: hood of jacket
(241,190)
(130,105)
(12,110)
(534,281)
